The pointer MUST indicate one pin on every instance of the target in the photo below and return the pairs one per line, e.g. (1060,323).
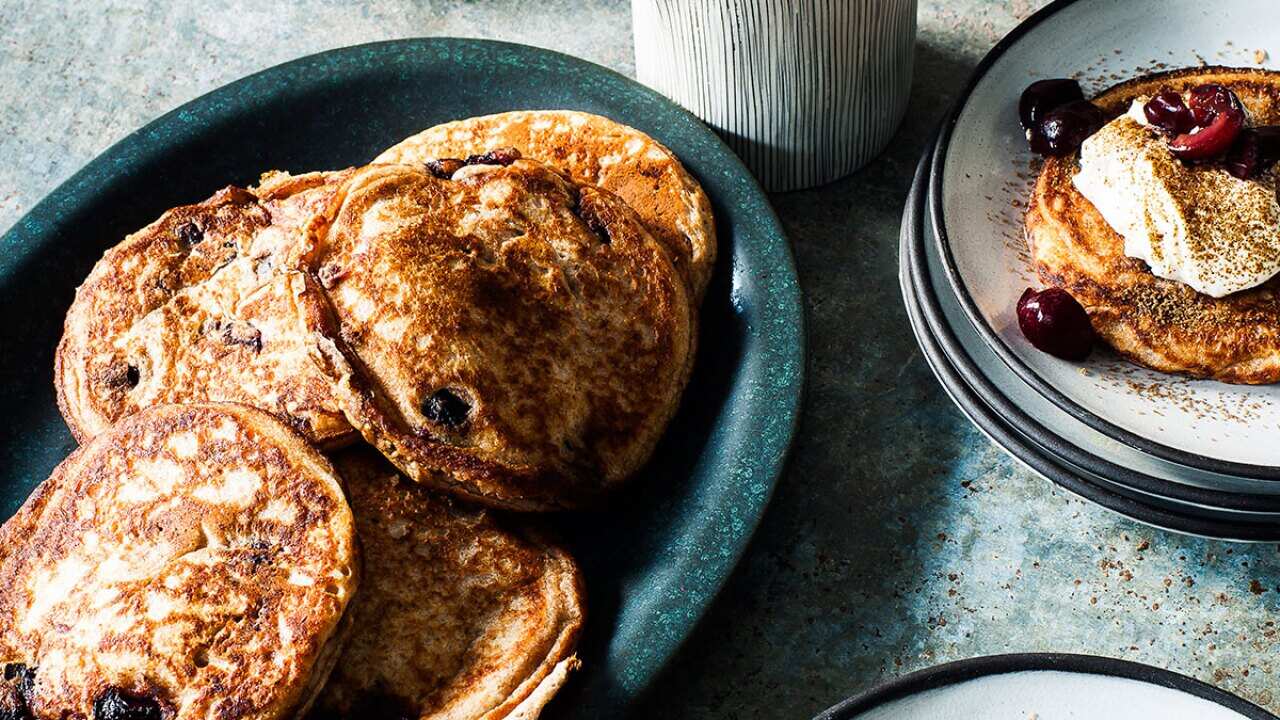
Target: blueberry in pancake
(500,333)
(199,306)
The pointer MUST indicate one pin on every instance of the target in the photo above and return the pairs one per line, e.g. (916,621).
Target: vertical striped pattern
(804,91)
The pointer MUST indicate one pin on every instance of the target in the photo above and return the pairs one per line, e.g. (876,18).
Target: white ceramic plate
(996,417)
(982,175)
(1117,458)
(1045,687)
(982,360)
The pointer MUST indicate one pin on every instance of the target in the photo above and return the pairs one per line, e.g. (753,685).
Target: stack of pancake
(310,413)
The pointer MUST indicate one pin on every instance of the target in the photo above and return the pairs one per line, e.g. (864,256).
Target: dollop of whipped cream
(1196,225)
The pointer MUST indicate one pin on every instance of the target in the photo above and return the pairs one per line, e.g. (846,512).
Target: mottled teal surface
(899,537)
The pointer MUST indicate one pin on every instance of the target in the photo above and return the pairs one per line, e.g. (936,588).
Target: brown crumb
(1259,56)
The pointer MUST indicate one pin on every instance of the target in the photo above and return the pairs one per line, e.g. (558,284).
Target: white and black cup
(804,91)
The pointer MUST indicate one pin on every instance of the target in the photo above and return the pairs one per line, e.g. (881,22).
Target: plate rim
(1066,476)
(779,323)
(969,305)
(1038,460)
(960,671)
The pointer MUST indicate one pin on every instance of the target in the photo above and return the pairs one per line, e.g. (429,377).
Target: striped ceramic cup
(805,91)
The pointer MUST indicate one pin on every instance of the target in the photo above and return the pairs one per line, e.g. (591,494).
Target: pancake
(1158,323)
(459,614)
(195,307)
(594,150)
(504,335)
(194,561)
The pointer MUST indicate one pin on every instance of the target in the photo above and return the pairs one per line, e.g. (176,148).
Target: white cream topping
(1196,225)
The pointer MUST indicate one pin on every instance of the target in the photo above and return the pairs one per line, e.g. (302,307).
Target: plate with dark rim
(981,177)
(1046,424)
(655,561)
(1047,686)
(1031,444)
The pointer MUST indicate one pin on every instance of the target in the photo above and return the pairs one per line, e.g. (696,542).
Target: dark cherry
(1268,144)
(1208,101)
(121,375)
(1064,128)
(189,233)
(1211,141)
(1254,151)
(242,333)
(1169,112)
(444,168)
(497,156)
(1043,96)
(1219,118)
(116,704)
(588,209)
(1242,160)
(445,407)
(15,695)
(1055,322)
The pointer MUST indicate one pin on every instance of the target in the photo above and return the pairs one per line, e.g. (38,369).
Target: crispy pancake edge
(376,486)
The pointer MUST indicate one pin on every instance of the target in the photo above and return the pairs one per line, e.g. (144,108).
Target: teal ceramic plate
(655,561)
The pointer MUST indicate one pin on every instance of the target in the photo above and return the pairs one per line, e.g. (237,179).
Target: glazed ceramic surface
(1045,687)
(653,563)
(983,175)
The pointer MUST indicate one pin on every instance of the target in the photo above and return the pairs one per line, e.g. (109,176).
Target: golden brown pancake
(460,614)
(194,561)
(594,150)
(1159,323)
(505,335)
(195,307)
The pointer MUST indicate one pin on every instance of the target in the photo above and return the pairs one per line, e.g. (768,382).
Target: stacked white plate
(1200,457)
(1044,686)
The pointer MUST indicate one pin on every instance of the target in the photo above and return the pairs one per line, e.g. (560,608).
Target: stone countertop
(900,537)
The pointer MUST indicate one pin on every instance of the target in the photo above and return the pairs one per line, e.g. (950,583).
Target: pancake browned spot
(460,614)
(490,342)
(198,306)
(194,561)
(1159,323)
(594,150)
